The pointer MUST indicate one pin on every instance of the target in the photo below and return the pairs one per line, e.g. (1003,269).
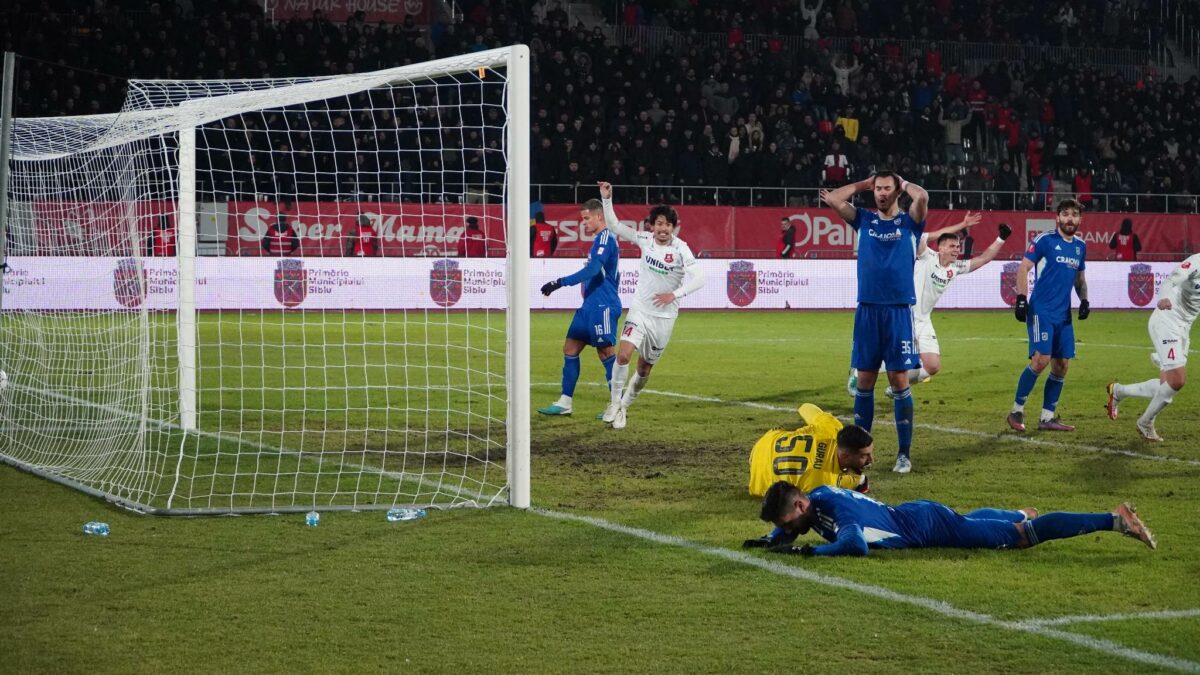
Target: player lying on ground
(822,452)
(853,523)
(1170,329)
(595,322)
(668,273)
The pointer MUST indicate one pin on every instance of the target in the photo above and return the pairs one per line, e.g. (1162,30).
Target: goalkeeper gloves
(762,542)
(1005,231)
(1021,309)
(1085,309)
(550,287)
(807,550)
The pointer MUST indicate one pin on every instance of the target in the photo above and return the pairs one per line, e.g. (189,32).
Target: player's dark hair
(947,237)
(593,205)
(778,500)
(1068,204)
(666,212)
(853,437)
(888,174)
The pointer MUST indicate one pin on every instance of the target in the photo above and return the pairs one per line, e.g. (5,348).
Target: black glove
(806,550)
(1005,231)
(1021,309)
(550,287)
(1085,309)
(3,267)
(762,542)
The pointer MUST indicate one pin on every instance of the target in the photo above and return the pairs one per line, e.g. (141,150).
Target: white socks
(1162,398)
(636,384)
(618,382)
(918,375)
(1145,389)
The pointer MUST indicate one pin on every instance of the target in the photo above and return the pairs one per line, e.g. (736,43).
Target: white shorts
(649,334)
(924,335)
(1170,340)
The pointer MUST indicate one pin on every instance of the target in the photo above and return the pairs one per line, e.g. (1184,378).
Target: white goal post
(216,303)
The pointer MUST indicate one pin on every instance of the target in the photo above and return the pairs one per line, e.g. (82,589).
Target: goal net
(276,295)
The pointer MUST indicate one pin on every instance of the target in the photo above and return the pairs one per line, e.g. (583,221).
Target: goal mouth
(248,296)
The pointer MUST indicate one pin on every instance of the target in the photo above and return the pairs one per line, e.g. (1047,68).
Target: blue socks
(570,374)
(608,366)
(903,406)
(1054,387)
(1025,385)
(864,409)
(1064,525)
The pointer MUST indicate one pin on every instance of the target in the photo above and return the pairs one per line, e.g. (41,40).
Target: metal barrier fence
(695,195)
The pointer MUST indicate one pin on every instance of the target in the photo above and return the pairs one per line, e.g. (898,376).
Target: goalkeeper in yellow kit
(822,452)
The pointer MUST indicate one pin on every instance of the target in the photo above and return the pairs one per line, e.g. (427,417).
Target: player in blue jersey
(595,322)
(854,523)
(883,322)
(1059,259)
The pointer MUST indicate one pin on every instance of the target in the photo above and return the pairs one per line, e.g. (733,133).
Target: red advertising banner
(326,229)
(754,232)
(374,11)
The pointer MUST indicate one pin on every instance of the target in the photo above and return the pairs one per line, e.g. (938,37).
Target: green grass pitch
(499,590)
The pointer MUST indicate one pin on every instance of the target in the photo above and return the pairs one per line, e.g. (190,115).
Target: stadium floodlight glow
(143,389)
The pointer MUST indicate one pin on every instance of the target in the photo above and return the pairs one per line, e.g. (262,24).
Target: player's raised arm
(989,254)
(969,220)
(839,199)
(920,200)
(610,216)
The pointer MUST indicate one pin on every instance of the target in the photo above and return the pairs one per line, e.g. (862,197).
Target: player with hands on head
(595,322)
(667,274)
(1060,260)
(883,322)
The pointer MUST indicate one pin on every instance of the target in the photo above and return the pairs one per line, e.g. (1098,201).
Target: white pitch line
(932,427)
(930,604)
(1093,618)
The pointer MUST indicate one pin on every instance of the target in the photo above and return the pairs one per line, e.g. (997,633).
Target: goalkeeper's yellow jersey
(805,457)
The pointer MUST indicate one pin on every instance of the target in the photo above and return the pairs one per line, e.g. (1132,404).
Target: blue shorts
(1047,337)
(595,325)
(934,525)
(883,334)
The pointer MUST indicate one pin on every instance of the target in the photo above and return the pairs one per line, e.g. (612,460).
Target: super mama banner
(106,283)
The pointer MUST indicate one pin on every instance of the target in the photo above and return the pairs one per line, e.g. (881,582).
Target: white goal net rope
(315,353)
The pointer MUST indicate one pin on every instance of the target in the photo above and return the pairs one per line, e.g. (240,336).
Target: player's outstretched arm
(839,199)
(851,540)
(610,216)
(989,254)
(969,220)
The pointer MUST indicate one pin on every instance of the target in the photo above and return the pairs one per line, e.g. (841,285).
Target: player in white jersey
(1170,325)
(668,273)
(936,267)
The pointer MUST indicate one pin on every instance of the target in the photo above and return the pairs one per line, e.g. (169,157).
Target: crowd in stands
(749,116)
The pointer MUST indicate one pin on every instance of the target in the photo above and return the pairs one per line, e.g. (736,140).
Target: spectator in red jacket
(1125,243)
(473,243)
(1083,186)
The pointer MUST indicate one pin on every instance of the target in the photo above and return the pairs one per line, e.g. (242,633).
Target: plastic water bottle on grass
(398,515)
(96,528)
(312,519)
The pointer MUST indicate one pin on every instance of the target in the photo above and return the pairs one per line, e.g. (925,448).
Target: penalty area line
(929,604)
(996,436)
(1094,618)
